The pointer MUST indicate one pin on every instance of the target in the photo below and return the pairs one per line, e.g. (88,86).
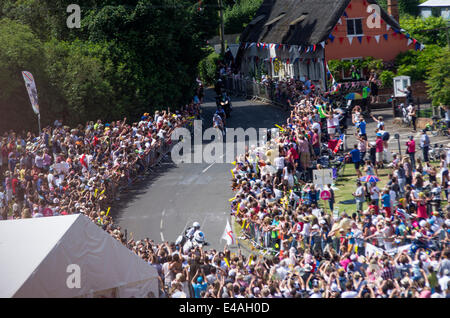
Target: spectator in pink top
(379,151)
(411,150)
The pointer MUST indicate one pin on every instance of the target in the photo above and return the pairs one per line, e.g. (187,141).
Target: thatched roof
(298,22)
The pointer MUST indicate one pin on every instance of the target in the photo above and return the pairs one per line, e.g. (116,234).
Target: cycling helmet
(196,225)
(199,237)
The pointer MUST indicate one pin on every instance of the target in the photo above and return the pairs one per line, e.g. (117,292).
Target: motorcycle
(191,238)
(224,102)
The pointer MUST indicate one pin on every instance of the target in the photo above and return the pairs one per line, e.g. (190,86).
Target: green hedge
(207,68)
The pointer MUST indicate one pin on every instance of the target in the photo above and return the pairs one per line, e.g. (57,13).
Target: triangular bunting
(335,28)
(340,21)
(349,6)
(388,27)
(360,39)
(377,37)
(345,14)
(350,39)
(323,44)
(385,36)
(331,36)
(341,39)
(409,42)
(368,38)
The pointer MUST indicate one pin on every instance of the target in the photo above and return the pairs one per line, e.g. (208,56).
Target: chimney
(392,9)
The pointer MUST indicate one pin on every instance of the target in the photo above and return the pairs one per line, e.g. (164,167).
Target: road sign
(325,195)
(323,176)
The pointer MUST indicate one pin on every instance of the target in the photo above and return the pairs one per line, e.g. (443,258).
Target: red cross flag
(228,235)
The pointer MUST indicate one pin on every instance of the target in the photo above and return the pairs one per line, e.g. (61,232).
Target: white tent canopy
(35,255)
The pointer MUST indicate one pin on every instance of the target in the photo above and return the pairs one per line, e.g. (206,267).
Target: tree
(415,26)
(20,51)
(416,63)
(79,80)
(237,17)
(405,7)
(438,81)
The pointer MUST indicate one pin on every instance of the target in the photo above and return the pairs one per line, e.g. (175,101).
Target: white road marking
(161,225)
(204,170)
(204,220)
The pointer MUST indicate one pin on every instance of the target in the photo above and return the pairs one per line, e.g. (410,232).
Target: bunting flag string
(350,39)
(313,47)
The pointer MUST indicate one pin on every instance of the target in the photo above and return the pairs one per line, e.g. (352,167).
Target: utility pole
(222,28)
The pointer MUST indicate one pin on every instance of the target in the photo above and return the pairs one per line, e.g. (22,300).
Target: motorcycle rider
(194,237)
(192,230)
(223,101)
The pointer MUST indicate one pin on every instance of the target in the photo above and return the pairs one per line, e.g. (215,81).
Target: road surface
(162,205)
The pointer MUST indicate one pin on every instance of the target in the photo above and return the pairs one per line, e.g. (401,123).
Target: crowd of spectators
(397,247)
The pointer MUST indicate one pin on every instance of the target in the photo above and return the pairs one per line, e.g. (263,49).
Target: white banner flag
(31,89)
(388,27)
(228,235)
(398,250)
(372,249)
(350,39)
(409,42)
(377,37)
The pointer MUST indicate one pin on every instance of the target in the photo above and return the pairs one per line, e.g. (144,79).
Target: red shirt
(376,208)
(293,153)
(14,182)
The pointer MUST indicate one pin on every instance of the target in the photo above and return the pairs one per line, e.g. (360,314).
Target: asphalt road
(163,204)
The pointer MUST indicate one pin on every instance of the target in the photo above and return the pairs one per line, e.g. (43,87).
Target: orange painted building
(346,44)
(300,36)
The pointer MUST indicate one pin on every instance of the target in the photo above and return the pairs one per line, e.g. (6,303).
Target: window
(354,27)
(348,74)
